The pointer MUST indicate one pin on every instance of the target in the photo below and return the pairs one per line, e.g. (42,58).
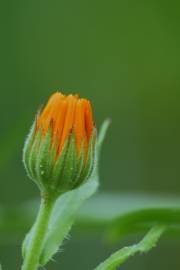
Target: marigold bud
(59,151)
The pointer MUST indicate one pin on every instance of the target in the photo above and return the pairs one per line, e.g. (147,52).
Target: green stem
(31,261)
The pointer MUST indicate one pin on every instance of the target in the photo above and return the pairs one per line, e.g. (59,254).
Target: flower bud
(59,151)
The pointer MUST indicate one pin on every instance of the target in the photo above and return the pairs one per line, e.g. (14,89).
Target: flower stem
(31,260)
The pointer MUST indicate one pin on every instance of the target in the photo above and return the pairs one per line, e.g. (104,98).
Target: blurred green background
(125,57)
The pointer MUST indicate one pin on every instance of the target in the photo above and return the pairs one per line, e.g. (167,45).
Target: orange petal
(69,119)
(88,118)
(79,125)
(64,114)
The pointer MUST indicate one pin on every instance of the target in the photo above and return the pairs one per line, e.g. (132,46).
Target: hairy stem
(31,260)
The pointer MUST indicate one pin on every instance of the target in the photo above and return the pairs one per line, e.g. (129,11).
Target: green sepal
(57,169)
(80,166)
(88,168)
(52,158)
(42,165)
(70,165)
(91,155)
(52,153)
(32,159)
(27,149)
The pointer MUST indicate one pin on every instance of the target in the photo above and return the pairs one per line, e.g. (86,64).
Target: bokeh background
(125,57)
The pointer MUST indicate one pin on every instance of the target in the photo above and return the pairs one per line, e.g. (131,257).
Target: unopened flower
(59,151)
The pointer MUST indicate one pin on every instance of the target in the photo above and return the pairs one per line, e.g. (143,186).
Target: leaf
(122,214)
(148,242)
(63,218)
(66,208)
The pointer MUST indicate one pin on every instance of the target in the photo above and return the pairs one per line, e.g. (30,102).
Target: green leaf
(122,214)
(148,242)
(66,209)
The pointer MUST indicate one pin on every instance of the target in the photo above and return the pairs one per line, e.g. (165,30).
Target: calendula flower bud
(59,151)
